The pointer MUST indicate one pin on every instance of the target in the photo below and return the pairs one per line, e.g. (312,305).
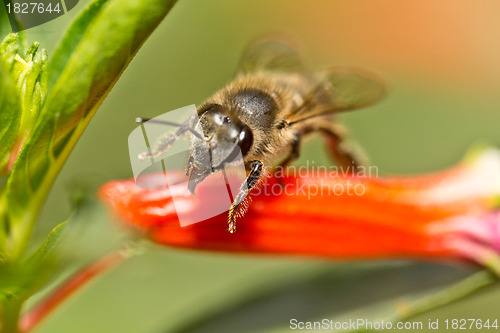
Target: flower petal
(447,214)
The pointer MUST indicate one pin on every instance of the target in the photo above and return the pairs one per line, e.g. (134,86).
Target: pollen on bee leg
(237,213)
(231,222)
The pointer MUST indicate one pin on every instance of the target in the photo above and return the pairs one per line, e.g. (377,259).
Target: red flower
(449,214)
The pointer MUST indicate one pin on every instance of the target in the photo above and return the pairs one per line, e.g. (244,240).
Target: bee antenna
(141,120)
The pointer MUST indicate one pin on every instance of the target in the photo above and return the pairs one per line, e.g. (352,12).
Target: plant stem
(72,284)
(9,315)
(464,288)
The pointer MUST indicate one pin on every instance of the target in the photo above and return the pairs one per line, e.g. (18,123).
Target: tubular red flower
(449,214)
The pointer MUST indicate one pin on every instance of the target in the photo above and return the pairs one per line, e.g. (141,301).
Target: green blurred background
(440,62)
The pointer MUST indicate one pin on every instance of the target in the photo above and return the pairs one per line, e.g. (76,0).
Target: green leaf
(47,250)
(102,53)
(72,38)
(10,116)
(20,280)
(9,48)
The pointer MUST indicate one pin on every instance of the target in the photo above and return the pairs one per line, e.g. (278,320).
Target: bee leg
(246,187)
(189,166)
(294,152)
(293,155)
(165,143)
(335,136)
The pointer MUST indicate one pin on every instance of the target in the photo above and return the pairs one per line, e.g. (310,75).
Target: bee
(272,103)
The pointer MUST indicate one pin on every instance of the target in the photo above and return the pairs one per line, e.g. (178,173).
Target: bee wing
(272,54)
(350,89)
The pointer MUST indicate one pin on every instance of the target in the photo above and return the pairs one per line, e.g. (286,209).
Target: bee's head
(225,139)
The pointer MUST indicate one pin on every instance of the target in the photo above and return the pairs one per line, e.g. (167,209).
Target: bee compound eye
(245,140)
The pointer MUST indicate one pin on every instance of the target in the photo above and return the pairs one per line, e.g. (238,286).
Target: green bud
(28,74)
